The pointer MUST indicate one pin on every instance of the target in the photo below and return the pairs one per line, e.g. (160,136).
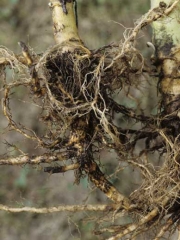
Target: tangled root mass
(77,91)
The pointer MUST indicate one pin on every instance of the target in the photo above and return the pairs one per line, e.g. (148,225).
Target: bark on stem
(65,28)
(166,39)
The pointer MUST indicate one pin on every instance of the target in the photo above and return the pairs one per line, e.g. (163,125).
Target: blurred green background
(100,22)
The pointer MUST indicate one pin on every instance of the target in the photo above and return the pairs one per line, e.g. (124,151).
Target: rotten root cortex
(81,140)
(75,83)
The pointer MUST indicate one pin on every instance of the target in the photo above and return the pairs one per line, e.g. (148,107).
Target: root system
(75,90)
